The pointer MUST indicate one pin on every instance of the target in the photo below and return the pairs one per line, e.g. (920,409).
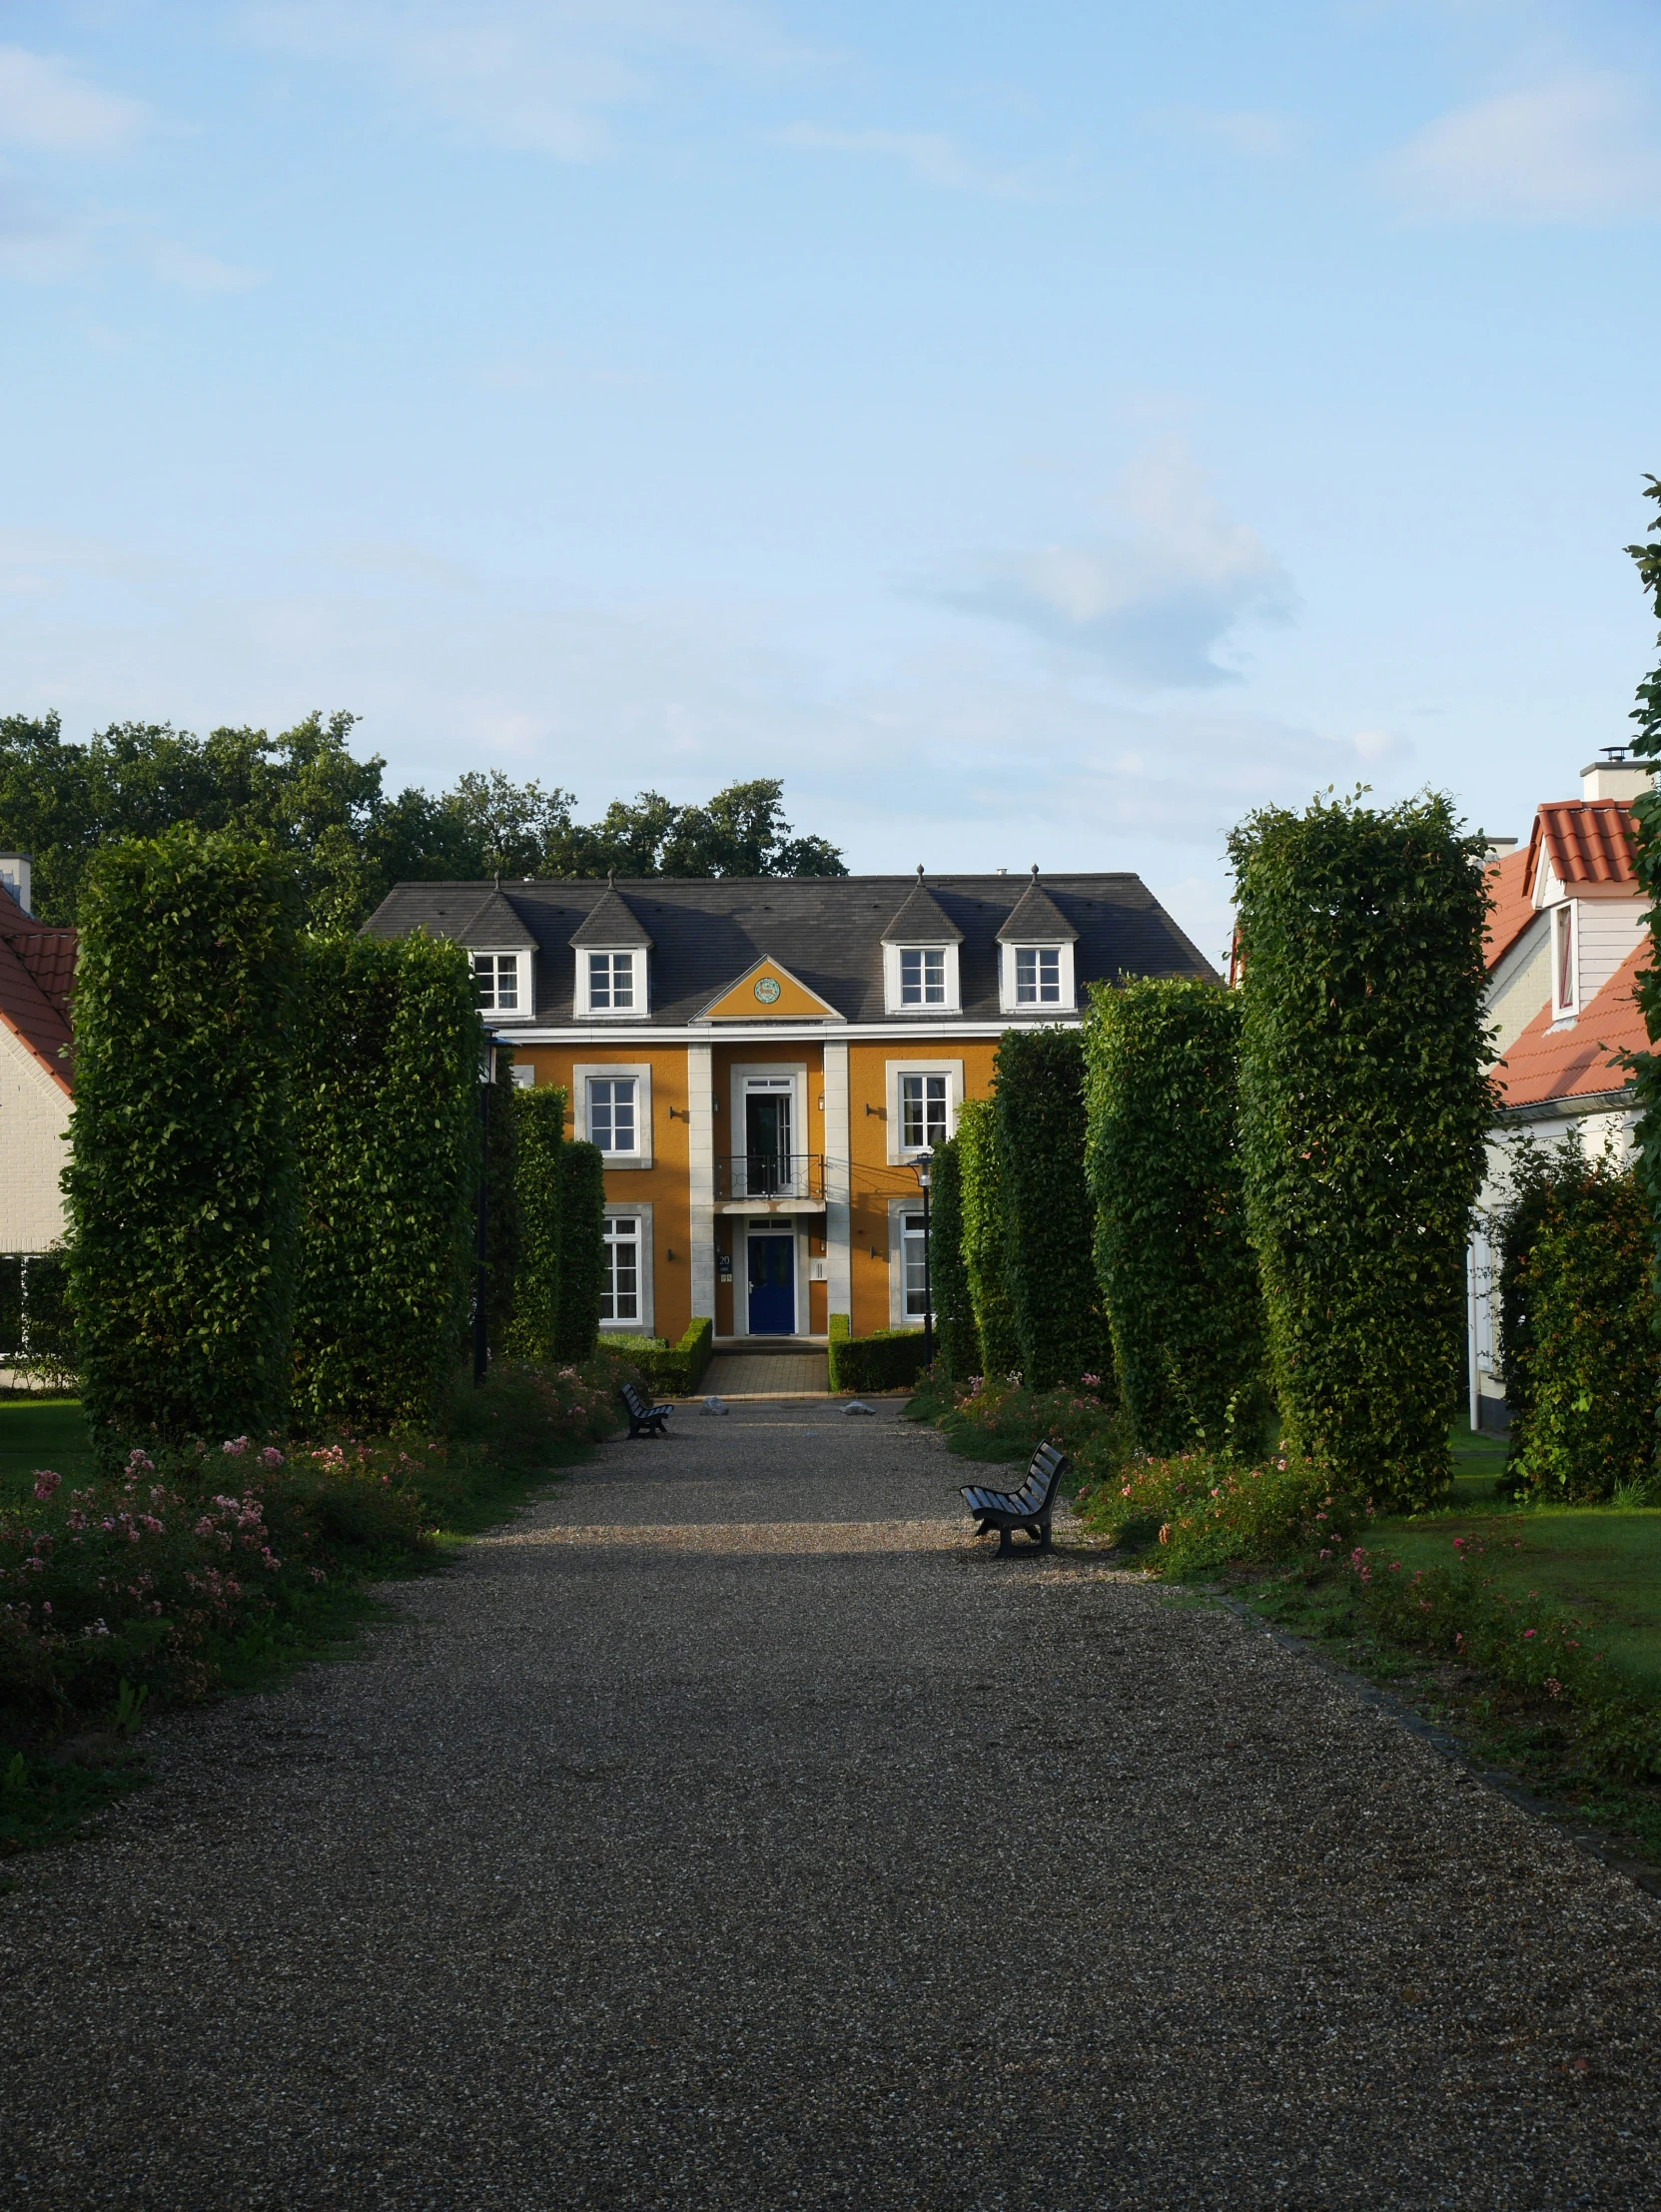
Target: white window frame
(523,1010)
(1566,939)
(1041,1009)
(899,1153)
(899,1211)
(892,982)
(643,1324)
(586,1072)
(642,970)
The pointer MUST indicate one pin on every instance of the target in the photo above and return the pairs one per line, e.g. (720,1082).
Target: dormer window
(611,983)
(923,976)
(496,983)
(1038,974)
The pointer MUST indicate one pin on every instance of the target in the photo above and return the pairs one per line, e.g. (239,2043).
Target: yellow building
(764,1061)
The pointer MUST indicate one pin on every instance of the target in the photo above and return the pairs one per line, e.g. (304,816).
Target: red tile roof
(1513,908)
(37,971)
(1576,1063)
(1587,840)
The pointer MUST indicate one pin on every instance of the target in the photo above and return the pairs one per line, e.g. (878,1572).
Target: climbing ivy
(387,1084)
(181,1183)
(1177,1273)
(539,1115)
(957,1353)
(1053,1294)
(984,1238)
(1364,1108)
(581,1249)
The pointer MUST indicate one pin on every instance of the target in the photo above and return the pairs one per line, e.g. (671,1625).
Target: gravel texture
(731,1832)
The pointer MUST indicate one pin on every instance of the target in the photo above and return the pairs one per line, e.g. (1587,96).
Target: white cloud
(1250,132)
(1584,148)
(182,266)
(931,157)
(46,107)
(1155,604)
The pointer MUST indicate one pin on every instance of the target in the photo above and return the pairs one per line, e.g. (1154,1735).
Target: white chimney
(17,874)
(1615,776)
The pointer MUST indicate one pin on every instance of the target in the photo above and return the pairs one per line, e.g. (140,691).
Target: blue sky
(1035,431)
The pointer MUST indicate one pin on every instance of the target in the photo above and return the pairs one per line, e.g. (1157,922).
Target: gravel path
(729,1833)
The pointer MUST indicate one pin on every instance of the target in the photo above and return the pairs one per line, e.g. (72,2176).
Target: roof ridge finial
(1035,871)
(919,871)
(611,879)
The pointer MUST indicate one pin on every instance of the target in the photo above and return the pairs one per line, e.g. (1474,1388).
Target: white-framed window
(923,1100)
(615,1114)
(920,979)
(611,983)
(626,1285)
(907,1262)
(495,979)
(611,1104)
(924,1104)
(524,1077)
(921,975)
(1038,974)
(1564,961)
(1035,979)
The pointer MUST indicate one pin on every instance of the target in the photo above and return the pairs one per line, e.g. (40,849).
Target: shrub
(181,1185)
(1053,1294)
(956,1336)
(1579,1314)
(504,1229)
(984,1238)
(1646,855)
(1178,1276)
(386,1103)
(1363,1112)
(539,1115)
(36,1333)
(675,1369)
(1213,1509)
(888,1359)
(581,1249)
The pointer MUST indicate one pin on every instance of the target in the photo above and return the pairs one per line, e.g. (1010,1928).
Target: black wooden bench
(644,1419)
(1028,1508)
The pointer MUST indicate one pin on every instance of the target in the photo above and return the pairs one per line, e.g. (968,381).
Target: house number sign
(767,990)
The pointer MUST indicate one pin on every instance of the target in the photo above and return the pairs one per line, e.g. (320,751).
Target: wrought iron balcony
(766,1177)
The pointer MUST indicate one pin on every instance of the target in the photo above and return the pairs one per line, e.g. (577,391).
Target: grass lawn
(40,1432)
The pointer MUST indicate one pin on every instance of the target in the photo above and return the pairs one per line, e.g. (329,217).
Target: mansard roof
(828,931)
(1037,919)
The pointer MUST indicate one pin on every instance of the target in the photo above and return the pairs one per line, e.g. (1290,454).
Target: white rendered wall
(34,1149)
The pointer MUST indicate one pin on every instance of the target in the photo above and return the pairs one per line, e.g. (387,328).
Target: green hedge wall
(581,1249)
(1646,1066)
(35,1325)
(676,1370)
(1177,1275)
(504,1226)
(984,1238)
(539,1137)
(957,1340)
(182,1189)
(1582,1362)
(890,1359)
(387,1082)
(1048,1220)
(1363,1110)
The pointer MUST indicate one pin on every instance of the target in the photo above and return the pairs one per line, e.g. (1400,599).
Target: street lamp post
(923,1165)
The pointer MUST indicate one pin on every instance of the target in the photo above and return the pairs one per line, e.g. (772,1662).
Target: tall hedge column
(984,1239)
(541,1117)
(182,1184)
(1364,1108)
(1048,1221)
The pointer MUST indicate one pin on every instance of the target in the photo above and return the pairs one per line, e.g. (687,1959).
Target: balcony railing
(771,1176)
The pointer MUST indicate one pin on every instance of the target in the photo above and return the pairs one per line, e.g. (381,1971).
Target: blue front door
(772,1286)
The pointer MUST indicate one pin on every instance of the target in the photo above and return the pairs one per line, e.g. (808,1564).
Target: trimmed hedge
(957,1340)
(35,1325)
(1365,1106)
(891,1359)
(503,1228)
(387,1083)
(1054,1296)
(1581,1359)
(182,1187)
(675,1369)
(539,1136)
(1646,746)
(984,1238)
(582,1250)
(1177,1275)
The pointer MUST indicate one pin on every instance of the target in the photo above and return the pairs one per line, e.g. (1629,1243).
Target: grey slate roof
(612,922)
(922,921)
(827,929)
(1037,919)
(475,915)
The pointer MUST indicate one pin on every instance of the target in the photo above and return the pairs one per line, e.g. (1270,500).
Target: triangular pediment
(768,992)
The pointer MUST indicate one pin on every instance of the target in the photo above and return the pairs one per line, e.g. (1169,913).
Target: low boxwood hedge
(892,1360)
(676,1370)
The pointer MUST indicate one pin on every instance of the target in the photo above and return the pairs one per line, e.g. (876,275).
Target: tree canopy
(305,793)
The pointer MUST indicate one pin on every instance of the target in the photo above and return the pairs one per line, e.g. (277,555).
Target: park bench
(644,1419)
(1028,1508)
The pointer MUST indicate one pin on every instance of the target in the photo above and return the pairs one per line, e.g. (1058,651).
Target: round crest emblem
(767,990)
